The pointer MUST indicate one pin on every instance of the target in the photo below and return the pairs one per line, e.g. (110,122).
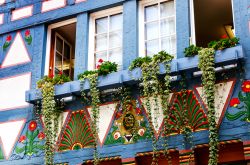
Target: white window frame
(48,44)
(62,54)
(142,5)
(93,17)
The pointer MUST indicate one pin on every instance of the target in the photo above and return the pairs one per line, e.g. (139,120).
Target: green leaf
(241,97)
(20,150)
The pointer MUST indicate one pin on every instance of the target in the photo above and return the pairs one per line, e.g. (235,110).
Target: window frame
(94,16)
(142,5)
(47,66)
(62,54)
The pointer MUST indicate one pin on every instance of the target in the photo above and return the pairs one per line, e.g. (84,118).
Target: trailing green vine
(51,110)
(153,88)
(103,69)
(207,64)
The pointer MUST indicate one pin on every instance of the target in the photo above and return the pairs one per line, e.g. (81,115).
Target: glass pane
(101,25)
(101,42)
(59,45)
(167,27)
(166,44)
(173,44)
(116,22)
(115,55)
(100,55)
(115,39)
(152,47)
(58,63)
(167,9)
(66,51)
(151,30)
(151,13)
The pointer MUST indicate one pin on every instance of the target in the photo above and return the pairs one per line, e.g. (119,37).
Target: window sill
(117,79)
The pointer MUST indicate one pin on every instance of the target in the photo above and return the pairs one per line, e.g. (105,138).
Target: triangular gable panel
(156,120)
(17,53)
(107,113)
(9,133)
(222,96)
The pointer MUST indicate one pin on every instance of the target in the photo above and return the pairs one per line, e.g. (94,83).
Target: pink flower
(98,66)
(27,33)
(51,75)
(224,36)
(8,38)
(60,73)
(100,60)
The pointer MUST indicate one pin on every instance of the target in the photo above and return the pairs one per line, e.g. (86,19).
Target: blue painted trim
(227,56)
(55,15)
(130,32)
(81,49)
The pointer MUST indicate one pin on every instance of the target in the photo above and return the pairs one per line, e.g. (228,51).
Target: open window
(60,54)
(157,27)
(210,20)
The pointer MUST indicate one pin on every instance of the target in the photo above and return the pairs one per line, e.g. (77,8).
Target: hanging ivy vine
(153,88)
(206,64)
(51,110)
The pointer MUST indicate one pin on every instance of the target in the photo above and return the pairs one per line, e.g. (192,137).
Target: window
(106,28)
(60,55)
(210,20)
(157,27)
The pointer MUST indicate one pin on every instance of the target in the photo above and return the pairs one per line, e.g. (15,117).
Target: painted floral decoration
(28,37)
(234,102)
(7,42)
(30,145)
(242,103)
(32,125)
(22,139)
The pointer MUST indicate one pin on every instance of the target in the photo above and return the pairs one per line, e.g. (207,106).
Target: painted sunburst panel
(12,94)
(17,53)
(61,122)
(222,96)
(77,133)
(186,112)
(9,133)
(157,119)
(107,112)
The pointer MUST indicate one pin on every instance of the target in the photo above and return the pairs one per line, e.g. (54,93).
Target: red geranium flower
(60,73)
(8,38)
(27,33)
(41,135)
(51,75)
(118,115)
(100,60)
(234,102)
(22,139)
(224,36)
(246,86)
(32,125)
(98,66)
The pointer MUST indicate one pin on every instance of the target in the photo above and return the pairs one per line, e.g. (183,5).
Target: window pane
(151,13)
(58,63)
(101,42)
(167,9)
(167,27)
(115,39)
(169,44)
(151,30)
(101,25)
(66,51)
(152,47)
(115,55)
(59,45)
(116,22)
